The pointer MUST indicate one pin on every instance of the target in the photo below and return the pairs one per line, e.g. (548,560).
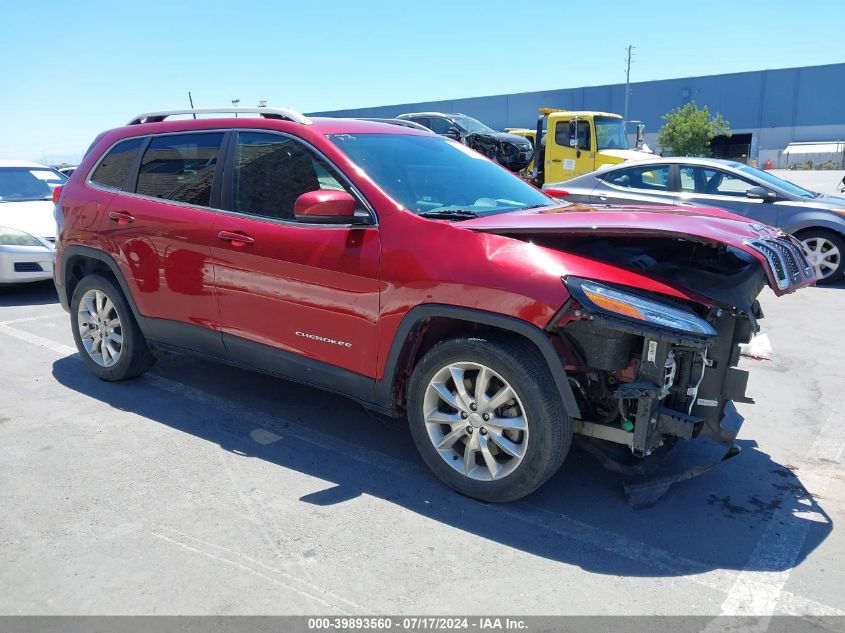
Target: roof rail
(267,113)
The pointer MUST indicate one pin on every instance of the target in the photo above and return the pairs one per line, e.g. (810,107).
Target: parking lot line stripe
(31,318)
(275,570)
(757,592)
(249,569)
(618,544)
(40,341)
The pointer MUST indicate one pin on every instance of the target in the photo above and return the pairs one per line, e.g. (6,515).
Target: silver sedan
(816,219)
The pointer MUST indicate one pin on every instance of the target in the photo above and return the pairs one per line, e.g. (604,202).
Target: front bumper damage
(642,389)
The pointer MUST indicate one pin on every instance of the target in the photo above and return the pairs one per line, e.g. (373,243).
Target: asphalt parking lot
(203,489)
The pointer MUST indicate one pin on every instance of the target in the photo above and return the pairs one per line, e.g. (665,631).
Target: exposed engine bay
(642,384)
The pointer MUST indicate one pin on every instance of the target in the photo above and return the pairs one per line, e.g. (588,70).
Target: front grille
(28,267)
(786,260)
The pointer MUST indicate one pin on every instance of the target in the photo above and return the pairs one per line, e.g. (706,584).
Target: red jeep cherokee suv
(413,275)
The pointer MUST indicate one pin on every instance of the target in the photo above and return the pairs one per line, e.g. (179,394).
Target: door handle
(121,217)
(235,239)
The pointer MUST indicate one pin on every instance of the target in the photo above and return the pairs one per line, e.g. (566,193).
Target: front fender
(792,221)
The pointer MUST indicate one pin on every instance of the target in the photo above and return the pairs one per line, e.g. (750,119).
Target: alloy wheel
(99,328)
(823,255)
(475,421)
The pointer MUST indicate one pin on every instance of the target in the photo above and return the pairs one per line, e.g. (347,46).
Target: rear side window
(180,167)
(114,168)
(272,171)
(649,177)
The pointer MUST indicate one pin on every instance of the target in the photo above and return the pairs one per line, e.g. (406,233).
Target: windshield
(610,133)
(787,186)
(472,126)
(19,184)
(428,174)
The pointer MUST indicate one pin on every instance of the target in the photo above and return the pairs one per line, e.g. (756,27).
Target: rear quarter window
(115,166)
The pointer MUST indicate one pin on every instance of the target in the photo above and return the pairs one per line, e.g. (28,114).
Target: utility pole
(630,50)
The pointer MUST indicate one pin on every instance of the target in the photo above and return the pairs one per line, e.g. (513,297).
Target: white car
(27,226)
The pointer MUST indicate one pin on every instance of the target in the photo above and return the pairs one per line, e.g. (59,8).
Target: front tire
(107,336)
(487,418)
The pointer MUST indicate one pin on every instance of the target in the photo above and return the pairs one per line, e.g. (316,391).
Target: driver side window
(440,126)
(582,134)
(272,171)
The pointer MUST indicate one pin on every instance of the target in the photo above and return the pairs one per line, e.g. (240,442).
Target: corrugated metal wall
(777,106)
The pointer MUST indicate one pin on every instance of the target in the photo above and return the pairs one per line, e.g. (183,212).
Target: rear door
(713,187)
(290,292)
(159,229)
(638,184)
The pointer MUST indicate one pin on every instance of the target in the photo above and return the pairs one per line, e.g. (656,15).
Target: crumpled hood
(626,154)
(706,225)
(34,217)
(519,141)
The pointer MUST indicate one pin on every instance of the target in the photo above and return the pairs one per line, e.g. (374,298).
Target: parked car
(818,220)
(411,274)
(509,150)
(67,171)
(27,227)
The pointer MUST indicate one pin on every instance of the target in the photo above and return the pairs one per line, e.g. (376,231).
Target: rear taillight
(556,193)
(56,193)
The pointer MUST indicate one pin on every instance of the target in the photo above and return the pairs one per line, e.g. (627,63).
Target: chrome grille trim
(802,258)
(786,260)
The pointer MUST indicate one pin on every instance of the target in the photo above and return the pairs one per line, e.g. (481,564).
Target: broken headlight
(596,297)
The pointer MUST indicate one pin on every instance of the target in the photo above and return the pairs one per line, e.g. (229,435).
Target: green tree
(689,130)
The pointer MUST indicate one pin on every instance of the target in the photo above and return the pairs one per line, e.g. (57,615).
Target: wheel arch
(78,261)
(814,220)
(425,325)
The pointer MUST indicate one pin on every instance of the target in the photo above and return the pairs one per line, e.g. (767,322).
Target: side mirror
(761,193)
(325,206)
(453,133)
(573,134)
(842,184)
(640,134)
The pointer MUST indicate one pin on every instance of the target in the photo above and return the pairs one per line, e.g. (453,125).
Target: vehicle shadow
(579,517)
(36,293)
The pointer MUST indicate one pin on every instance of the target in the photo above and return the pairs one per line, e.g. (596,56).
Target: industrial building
(767,109)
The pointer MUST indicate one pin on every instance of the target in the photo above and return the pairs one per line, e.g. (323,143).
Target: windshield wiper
(536,206)
(449,214)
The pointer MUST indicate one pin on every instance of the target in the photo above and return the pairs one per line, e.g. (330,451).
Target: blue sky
(73,69)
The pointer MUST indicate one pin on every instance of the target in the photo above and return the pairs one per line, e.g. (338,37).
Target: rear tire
(516,436)
(826,253)
(107,336)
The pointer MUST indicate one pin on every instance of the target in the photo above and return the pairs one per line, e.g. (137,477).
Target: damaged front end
(648,370)
(660,300)
(645,371)
(510,151)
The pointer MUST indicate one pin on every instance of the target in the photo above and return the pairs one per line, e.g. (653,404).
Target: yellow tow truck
(576,142)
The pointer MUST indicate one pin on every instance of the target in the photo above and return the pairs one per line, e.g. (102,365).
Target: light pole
(235,103)
(627,79)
